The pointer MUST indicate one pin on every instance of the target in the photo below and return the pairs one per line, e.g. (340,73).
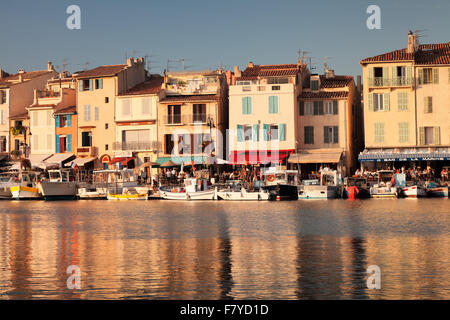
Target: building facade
(407,106)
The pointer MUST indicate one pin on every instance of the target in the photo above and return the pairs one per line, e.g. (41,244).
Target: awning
(258,156)
(183,159)
(81,161)
(122,160)
(403,156)
(59,158)
(36,159)
(316,157)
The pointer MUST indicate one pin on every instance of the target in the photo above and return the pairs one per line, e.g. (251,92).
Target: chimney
(358,83)
(50,66)
(21,71)
(20,77)
(250,65)
(130,62)
(413,44)
(237,72)
(329,73)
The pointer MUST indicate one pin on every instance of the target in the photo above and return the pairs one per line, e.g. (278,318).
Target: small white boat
(384,188)
(128,194)
(191,190)
(435,191)
(325,188)
(242,194)
(6,182)
(59,185)
(414,191)
(26,186)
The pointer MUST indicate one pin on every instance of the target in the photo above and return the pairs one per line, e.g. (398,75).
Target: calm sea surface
(309,249)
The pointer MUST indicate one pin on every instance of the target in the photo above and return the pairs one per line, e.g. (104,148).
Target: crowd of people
(412,174)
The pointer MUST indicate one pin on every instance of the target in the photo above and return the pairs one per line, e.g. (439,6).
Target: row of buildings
(264,114)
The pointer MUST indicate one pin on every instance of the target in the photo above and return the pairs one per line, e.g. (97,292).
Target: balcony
(246,89)
(87,151)
(47,94)
(186,89)
(186,119)
(136,146)
(395,82)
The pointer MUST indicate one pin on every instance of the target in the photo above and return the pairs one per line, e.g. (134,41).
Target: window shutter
(266,132)
(91,84)
(57,144)
(428,104)
(408,75)
(385,76)
(69,121)
(270,104)
(275,104)
(302,107)
(320,107)
(386,101)
(239,133)
(282,135)
(370,101)
(80,85)
(394,75)
(255,132)
(249,105)
(244,105)
(437,135)
(326,138)
(100,83)
(57,121)
(335,106)
(335,134)
(435,75)
(421,136)
(69,143)
(420,74)
(370,76)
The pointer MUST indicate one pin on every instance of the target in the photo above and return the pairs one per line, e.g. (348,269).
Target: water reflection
(219,250)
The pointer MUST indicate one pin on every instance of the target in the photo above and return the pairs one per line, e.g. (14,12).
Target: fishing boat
(281,184)
(414,191)
(240,193)
(435,191)
(356,187)
(325,188)
(60,184)
(193,189)
(385,186)
(25,187)
(6,182)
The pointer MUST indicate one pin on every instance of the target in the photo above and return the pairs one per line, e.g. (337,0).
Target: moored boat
(385,187)
(193,189)
(59,185)
(128,194)
(325,188)
(414,191)
(240,193)
(26,186)
(435,191)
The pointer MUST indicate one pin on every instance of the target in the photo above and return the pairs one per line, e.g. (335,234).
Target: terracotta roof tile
(151,86)
(273,70)
(65,109)
(102,71)
(335,82)
(190,98)
(323,95)
(12,79)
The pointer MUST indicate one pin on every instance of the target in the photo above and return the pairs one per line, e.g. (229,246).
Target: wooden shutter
(420,74)
(435,75)
(266,132)
(335,134)
(57,144)
(428,104)
(385,76)
(239,133)
(370,76)
(370,101)
(69,143)
(69,120)
(326,138)
(275,104)
(255,132)
(57,122)
(244,105)
(386,101)
(335,107)
(421,136)
(408,75)
(302,107)
(320,107)
(91,84)
(80,85)
(282,134)
(437,135)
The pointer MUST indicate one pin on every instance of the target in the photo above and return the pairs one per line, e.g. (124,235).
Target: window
(200,142)
(275,88)
(403,132)
(331,134)
(2,116)
(184,144)
(35,142)
(62,121)
(277,80)
(146,106)
(273,132)
(428,75)
(314,84)
(98,84)
(273,104)
(106,126)
(199,113)
(429,135)
(246,105)
(86,85)
(3,143)
(402,98)
(247,132)
(174,114)
(309,135)
(106,99)
(309,110)
(126,107)
(428,104)
(86,139)
(2,96)
(96,113)
(106,147)
(379,102)
(331,107)
(318,108)
(136,139)
(379,132)
(168,143)
(61,144)
(301,108)
(87,112)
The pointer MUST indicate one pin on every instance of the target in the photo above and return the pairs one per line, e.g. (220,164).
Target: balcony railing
(87,151)
(184,119)
(48,94)
(136,145)
(396,81)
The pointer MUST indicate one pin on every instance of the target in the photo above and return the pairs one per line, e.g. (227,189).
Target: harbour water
(310,249)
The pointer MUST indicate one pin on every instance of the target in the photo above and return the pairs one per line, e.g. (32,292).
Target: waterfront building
(328,105)
(263,113)
(96,98)
(192,116)
(406,106)
(16,93)
(136,123)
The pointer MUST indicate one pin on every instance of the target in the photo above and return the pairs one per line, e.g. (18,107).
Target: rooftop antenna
(419,33)
(305,56)
(325,64)
(64,64)
(148,62)
(181,60)
(84,65)
(311,64)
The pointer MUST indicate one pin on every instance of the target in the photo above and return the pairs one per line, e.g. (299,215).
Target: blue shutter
(57,121)
(282,135)
(57,143)
(100,83)
(255,132)
(266,132)
(249,105)
(239,133)
(69,122)
(69,143)
(275,104)
(244,105)
(91,84)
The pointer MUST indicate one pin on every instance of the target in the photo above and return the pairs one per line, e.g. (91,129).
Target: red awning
(259,156)
(122,160)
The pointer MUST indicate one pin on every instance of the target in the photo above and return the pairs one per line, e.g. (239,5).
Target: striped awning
(316,157)
(403,156)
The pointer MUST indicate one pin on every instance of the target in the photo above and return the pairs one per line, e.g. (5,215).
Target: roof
(21,115)
(270,70)
(187,98)
(65,109)
(13,79)
(102,71)
(438,53)
(151,86)
(335,82)
(323,95)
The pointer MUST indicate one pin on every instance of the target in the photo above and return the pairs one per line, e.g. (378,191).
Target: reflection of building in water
(5,252)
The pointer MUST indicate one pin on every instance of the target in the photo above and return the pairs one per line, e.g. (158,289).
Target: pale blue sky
(210,33)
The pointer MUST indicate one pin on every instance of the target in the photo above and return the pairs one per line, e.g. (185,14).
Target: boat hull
(242,196)
(135,196)
(414,192)
(318,192)
(5,193)
(199,195)
(438,192)
(25,193)
(58,190)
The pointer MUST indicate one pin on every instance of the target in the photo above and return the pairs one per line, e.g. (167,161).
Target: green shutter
(421,136)
(435,75)
(255,132)
(249,105)
(275,104)
(244,105)
(57,144)
(385,76)
(408,75)
(57,122)
(335,107)
(282,135)
(240,136)
(270,104)
(69,121)
(428,104)
(420,75)
(302,106)
(100,83)
(326,139)
(91,84)
(394,75)
(266,132)
(69,143)
(335,134)
(370,76)
(386,101)
(437,135)
(370,101)
(80,85)
(321,107)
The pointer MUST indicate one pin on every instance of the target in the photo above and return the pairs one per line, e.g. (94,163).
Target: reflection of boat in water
(193,189)
(26,186)
(240,193)
(325,188)
(60,185)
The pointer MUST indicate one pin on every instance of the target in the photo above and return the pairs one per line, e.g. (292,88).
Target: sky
(209,34)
